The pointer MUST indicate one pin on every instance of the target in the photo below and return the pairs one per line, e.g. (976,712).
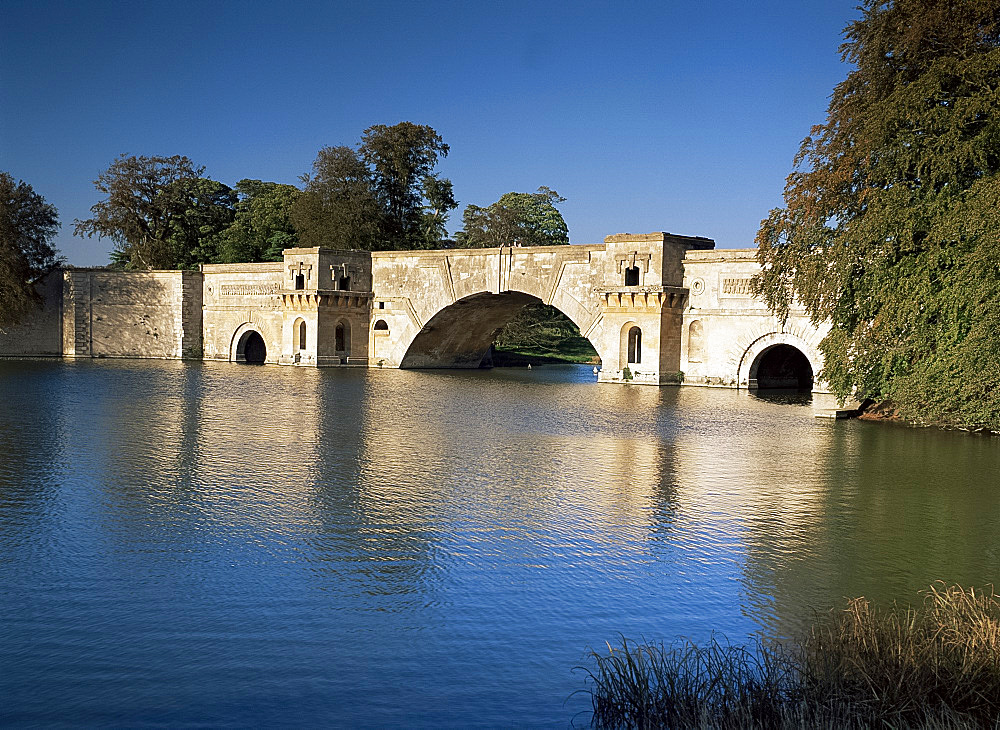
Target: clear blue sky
(646,116)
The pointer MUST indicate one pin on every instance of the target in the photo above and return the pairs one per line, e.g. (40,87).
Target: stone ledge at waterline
(652,305)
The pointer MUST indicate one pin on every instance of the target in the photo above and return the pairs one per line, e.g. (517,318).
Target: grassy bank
(888,411)
(515,357)
(935,665)
(541,334)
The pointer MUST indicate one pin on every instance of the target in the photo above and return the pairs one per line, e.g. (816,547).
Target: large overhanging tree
(891,224)
(27,225)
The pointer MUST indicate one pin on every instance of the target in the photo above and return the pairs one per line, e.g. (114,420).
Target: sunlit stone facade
(658,308)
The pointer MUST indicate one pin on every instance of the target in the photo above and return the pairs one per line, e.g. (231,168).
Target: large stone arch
(752,354)
(239,341)
(459,334)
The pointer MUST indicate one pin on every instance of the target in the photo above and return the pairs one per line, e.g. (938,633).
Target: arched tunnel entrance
(461,335)
(251,349)
(782,367)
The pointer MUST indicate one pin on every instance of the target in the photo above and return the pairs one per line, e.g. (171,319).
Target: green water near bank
(188,543)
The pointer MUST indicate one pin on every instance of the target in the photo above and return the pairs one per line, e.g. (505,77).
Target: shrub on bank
(935,665)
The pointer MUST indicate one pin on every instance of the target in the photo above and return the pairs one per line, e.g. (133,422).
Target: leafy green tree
(525,219)
(440,199)
(27,225)
(338,207)
(205,211)
(402,159)
(262,227)
(159,212)
(891,224)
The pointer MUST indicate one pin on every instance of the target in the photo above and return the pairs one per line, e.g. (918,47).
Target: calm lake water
(214,544)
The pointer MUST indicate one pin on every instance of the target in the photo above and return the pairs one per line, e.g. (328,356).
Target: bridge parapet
(648,259)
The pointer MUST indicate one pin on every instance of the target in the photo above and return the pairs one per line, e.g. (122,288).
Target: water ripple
(206,544)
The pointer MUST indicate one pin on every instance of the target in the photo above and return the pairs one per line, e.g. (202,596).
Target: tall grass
(933,665)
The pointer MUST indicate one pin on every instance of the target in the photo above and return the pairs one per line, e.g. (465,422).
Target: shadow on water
(783,396)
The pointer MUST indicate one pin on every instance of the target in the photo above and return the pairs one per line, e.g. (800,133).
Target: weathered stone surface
(631,282)
(40,334)
(313,308)
(152,314)
(658,309)
(726,330)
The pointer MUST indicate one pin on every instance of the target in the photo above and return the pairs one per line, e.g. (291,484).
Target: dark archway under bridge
(461,334)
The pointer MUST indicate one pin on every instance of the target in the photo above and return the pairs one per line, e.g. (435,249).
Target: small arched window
(632,276)
(696,341)
(634,346)
(344,284)
(381,326)
(300,281)
(302,335)
(339,339)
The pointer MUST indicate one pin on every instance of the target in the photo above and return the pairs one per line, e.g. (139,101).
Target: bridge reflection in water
(292,545)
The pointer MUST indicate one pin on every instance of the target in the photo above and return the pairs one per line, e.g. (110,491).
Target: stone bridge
(658,308)
(445,308)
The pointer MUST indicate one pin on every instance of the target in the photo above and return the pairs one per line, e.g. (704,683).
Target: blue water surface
(190,544)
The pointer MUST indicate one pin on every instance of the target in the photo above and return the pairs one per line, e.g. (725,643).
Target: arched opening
(634,346)
(251,348)
(342,339)
(782,367)
(344,284)
(523,329)
(301,332)
(632,276)
(696,341)
(381,326)
(300,281)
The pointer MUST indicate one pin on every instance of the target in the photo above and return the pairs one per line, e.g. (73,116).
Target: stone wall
(311,308)
(238,298)
(640,296)
(441,308)
(654,306)
(725,328)
(154,314)
(40,334)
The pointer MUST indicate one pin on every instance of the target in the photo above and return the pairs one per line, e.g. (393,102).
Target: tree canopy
(402,159)
(526,219)
(383,195)
(27,225)
(338,208)
(440,200)
(159,212)
(262,227)
(204,211)
(891,224)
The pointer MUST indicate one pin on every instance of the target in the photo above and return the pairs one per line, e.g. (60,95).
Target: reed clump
(932,665)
